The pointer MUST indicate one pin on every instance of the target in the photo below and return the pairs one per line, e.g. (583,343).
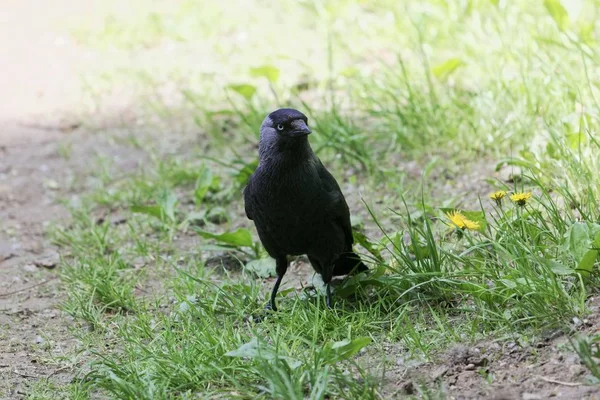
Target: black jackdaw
(296,204)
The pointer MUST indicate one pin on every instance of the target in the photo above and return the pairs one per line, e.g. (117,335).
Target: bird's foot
(259,318)
(271,306)
(268,308)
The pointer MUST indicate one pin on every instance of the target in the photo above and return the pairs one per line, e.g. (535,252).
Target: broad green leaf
(345,349)
(203,184)
(596,242)
(252,349)
(239,238)
(559,269)
(153,211)
(245,90)
(575,140)
(262,268)
(257,350)
(165,206)
(371,247)
(552,151)
(375,277)
(528,155)
(442,71)
(586,32)
(558,13)
(579,238)
(350,72)
(523,282)
(166,201)
(269,72)
(586,264)
(508,283)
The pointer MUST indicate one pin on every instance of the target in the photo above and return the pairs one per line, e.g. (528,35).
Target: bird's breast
(290,198)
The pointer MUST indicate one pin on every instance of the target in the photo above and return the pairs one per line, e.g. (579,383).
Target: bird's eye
(279,127)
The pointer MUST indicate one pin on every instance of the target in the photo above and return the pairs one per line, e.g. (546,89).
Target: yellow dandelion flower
(462,222)
(520,198)
(498,196)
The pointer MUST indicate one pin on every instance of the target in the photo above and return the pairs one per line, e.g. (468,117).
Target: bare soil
(39,76)
(504,369)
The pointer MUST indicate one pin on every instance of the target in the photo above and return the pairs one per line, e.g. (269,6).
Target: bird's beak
(300,128)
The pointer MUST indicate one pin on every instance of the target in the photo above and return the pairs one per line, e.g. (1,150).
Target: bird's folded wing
(248,198)
(338,206)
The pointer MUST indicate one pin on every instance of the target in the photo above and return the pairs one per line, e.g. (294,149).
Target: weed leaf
(586,264)
(153,211)
(345,349)
(268,72)
(238,238)
(203,184)
(167,202)
(256,350)
(558,13)
(444,70)
(244,90)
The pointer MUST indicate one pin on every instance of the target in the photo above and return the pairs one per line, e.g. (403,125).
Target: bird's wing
(338,206)
(248,198)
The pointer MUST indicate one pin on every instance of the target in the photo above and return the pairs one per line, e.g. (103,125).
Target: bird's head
(283,129)
(285,122)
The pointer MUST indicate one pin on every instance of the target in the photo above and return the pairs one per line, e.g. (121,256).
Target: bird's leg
(327,275)
(280,268)
(271,304)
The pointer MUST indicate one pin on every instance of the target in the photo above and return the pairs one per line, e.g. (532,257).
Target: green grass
(449,86)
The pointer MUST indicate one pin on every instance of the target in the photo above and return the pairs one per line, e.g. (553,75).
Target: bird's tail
(347,263)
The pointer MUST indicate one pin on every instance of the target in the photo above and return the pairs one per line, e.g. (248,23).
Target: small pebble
(29,268)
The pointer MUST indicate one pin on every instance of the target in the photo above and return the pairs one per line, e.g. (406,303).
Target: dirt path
(31,323)
(40,75)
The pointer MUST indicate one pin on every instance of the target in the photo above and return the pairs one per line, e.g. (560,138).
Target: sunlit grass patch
(416,77)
